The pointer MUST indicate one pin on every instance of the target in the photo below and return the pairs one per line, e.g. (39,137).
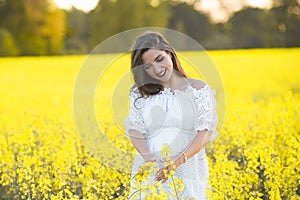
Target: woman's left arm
(201,139)
(205,126)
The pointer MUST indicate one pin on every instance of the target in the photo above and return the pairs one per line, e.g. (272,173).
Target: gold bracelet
(185,157)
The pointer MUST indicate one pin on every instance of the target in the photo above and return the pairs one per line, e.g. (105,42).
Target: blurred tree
(288,6)
(77,33)
(37,25)
(287,16)
(253,28)
(292,36)
(186,19)
(7,44)
(219,38)
(114,16)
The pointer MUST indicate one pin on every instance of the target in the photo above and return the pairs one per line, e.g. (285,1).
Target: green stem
(134,193)
(174,183)
(175,188)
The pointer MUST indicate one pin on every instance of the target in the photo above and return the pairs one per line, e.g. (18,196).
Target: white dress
(173,118)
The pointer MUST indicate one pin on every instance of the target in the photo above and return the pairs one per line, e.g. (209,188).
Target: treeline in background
(39,27)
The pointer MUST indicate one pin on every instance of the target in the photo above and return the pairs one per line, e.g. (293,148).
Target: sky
(85,5)
(219,10)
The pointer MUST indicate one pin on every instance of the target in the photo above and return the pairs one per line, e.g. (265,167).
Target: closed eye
(159,59)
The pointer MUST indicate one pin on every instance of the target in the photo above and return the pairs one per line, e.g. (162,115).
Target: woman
(168,108)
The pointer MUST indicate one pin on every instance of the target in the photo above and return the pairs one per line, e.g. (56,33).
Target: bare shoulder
(197,83)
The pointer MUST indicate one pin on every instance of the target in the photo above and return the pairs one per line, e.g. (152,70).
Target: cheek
(169,62)
(149,72)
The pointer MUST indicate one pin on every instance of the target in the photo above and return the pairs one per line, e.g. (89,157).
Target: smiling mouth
(162,73)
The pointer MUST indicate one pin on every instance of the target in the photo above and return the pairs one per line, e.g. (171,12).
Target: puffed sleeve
(207,117)
(134,121)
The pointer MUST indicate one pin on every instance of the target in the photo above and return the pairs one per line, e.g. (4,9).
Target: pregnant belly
(174,138)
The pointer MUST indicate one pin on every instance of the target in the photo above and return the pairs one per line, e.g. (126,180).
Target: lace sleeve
(134,120)
(207,117)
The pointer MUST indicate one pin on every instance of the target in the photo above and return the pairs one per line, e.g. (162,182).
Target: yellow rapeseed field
(256,155)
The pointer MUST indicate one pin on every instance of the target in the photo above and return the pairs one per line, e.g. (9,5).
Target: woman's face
(158,64)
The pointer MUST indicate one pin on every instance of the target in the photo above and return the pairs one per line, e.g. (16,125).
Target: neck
(176,82)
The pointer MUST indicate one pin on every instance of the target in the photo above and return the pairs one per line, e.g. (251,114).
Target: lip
(161,74)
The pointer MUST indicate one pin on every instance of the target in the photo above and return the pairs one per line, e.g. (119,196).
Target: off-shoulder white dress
(173,118)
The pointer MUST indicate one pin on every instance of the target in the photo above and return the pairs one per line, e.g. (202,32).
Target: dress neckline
(189,87)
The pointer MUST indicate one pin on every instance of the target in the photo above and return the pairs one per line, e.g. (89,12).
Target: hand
(164,172)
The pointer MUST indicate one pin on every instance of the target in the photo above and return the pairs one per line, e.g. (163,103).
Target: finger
(161,170)
(158,173)
(159,176)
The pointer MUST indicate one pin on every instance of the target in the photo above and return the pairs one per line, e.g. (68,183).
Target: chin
(164,79)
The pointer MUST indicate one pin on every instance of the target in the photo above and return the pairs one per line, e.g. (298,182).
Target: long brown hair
(146,84)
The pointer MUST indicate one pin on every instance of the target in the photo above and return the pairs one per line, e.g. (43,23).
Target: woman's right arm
(136,128)
(139,142)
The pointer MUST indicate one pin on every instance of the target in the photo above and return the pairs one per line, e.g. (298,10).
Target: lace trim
(188,89)
(207,117)
(135,119)
(134,125)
